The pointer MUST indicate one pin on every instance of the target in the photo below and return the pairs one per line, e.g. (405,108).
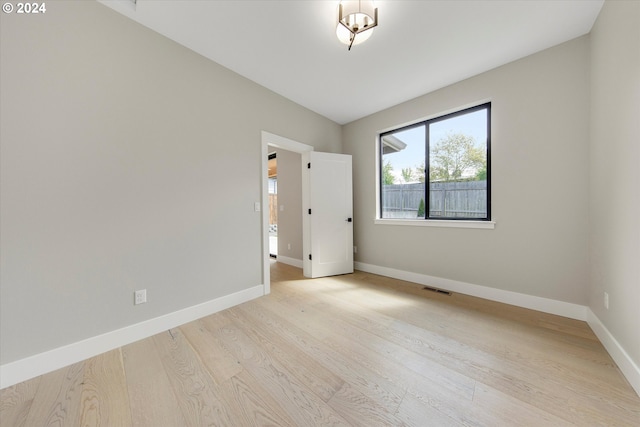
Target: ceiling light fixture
(356,17)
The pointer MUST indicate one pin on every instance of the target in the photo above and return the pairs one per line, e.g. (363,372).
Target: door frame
(276,141)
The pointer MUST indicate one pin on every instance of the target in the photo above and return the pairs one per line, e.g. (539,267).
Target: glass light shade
(359,7)
(356,18)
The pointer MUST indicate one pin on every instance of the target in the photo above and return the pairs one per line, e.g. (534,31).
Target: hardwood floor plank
(396,363)
(196,393)
(253,404)
(489,332)
(387,359)
(244,395)
(526,381)
(221,364)
(415,412)
(152,399)
(57,401)
(492,407)
(366,381)
(548,354)
(360,410)
(316,376)
(104,400)
(304,407)
(15,402)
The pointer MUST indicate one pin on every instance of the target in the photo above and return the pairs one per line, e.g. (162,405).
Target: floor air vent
(440,291)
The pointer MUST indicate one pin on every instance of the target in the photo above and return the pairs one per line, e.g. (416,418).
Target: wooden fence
(448,199)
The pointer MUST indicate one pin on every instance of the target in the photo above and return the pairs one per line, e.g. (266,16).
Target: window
(439,168)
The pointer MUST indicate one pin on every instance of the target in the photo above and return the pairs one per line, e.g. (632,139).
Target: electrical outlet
(140,297)
(606,301)
(289,246)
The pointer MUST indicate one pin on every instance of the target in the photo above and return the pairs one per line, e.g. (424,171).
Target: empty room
(449,236)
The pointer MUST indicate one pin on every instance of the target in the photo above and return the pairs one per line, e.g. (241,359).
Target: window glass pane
(458,166)
(402,174)
(273,185)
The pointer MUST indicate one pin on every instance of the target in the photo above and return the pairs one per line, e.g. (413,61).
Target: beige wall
(540,113)
(615,172)
(127,162)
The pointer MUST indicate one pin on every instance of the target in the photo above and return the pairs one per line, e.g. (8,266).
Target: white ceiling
(291,48)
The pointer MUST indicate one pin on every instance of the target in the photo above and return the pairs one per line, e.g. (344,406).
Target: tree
(414,174)
(455,157)
(387,176)
(420,172)
(482,173)
(407,174)
(421,209)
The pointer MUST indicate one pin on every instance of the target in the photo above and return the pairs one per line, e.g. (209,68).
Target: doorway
(270,143)
(331,222)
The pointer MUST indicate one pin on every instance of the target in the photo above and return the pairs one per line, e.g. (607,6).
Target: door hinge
(309,257)
(309,211)
(308,165)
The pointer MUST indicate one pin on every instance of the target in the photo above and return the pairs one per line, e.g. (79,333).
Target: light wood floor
(348,350)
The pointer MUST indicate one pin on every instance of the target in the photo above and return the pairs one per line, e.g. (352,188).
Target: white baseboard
(629,368)
(290,261)
(546,305)
(30,367)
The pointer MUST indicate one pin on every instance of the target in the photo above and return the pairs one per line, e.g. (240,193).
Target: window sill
(437,223)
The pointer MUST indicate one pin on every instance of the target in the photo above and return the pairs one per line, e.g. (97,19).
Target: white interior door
(328,214)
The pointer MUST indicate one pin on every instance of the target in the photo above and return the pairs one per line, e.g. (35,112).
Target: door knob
(349,220)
